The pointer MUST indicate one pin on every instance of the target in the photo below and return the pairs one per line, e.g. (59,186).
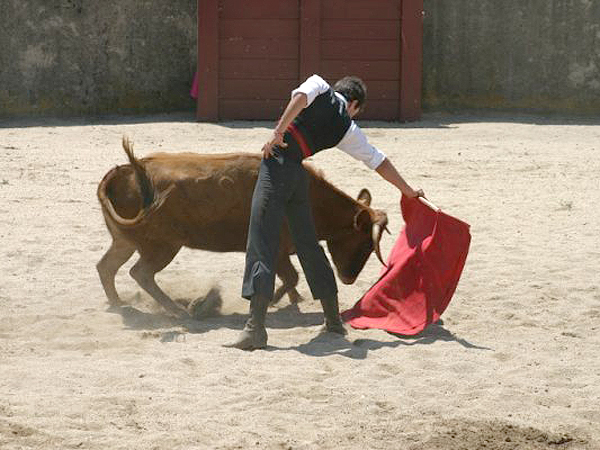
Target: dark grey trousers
(282,189)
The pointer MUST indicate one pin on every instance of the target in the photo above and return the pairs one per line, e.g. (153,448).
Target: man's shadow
(327,344)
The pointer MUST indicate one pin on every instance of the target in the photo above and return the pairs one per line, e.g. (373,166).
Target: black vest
(323,123)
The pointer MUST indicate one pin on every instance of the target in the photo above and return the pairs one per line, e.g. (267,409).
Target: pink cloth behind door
(194,90)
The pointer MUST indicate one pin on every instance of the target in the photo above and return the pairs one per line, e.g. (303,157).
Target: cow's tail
(152,200)
(144,182)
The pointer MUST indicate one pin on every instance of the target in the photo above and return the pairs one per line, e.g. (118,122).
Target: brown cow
(160,203)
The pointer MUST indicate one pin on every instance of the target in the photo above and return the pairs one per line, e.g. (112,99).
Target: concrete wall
(89,57)
(84,57)
(533,55)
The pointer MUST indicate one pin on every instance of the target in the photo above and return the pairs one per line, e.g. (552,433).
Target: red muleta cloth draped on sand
(421,276)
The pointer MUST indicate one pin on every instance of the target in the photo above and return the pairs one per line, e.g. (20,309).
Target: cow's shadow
(206,316)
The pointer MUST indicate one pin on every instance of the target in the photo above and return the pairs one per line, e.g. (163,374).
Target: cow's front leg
(150,263)
(289,278)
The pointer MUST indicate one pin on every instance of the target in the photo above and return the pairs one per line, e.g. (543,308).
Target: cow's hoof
(179,313)
(294,297)
(249,340)
(116,307)
(183,315)
(274,301)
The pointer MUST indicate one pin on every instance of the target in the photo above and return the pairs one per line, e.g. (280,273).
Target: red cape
(421,276)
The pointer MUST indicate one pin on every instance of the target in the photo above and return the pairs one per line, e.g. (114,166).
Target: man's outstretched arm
(388,172)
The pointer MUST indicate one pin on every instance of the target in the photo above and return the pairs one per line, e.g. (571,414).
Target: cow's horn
(377,232)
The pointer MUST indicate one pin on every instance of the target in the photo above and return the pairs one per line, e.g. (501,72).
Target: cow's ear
(362,221)
(364,197)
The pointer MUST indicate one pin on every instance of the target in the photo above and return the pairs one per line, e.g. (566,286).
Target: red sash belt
(297,135)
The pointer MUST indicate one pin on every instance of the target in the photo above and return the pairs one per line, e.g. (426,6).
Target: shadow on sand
(206,316)
(326,344)
(206,311)
(438,119)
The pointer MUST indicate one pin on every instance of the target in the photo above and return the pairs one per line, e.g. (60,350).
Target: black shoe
(331,311)
(251,338)
(254,335)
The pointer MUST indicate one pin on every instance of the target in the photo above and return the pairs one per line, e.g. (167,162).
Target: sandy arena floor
(516,364)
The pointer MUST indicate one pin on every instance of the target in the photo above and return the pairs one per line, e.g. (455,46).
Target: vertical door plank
(411,59)
(310,38)
(208,61)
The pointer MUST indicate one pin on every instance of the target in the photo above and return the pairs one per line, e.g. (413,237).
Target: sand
(515,364)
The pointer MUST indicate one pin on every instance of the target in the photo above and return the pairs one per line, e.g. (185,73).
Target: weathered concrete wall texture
(66,57)
(534,55)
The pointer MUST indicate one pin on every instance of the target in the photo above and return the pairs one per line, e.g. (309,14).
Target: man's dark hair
(352,88)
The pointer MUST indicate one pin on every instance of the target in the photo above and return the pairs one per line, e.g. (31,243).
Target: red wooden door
(363,38)
(258,57)
(251,54)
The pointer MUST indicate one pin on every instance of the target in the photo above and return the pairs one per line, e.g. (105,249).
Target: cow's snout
(347,280)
